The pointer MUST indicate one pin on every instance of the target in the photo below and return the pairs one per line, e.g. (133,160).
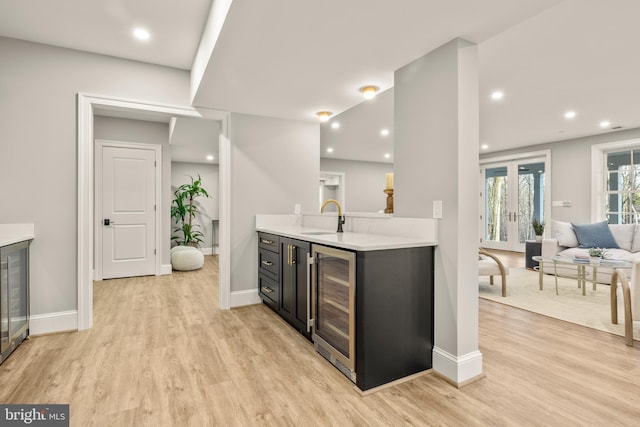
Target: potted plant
(184,210)
(538,228)
(596,255)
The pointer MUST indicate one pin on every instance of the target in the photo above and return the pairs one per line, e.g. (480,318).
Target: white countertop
(14,233)
(347,240)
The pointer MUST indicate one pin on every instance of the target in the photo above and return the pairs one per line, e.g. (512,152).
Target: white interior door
(513,193)
(128,212)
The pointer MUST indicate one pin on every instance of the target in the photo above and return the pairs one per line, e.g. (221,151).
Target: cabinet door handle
(267,263)
(266,290)
(267,242)
(289,254)
(293,254)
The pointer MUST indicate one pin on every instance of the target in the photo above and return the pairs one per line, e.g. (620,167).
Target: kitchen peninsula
(363,296)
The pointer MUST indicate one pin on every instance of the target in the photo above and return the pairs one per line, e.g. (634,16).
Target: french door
(512,195)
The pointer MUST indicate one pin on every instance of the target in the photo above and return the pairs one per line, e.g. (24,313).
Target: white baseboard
(248,297)
(165,269)
(458,369)
(40,324)
(206,251)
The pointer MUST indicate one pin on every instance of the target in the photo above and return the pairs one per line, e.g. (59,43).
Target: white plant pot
(538,238)
(595,260)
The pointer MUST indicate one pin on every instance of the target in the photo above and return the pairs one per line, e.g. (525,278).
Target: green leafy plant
(184,210)
(597,252)
(538,227)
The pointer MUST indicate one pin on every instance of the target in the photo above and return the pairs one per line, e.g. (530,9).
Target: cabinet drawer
(269,289)
(269,242)
(269,262)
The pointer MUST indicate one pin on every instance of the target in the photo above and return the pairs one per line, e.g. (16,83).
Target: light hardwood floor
(162,354)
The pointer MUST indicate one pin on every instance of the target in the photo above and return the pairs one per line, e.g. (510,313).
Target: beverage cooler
(333,307)
(14,296)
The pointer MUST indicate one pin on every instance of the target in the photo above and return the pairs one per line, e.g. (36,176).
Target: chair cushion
(595,235)
(488,267)
(186,260)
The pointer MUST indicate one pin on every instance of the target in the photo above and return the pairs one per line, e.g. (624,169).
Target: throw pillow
(563,232)
(595,235)
(635,246)
(623,233)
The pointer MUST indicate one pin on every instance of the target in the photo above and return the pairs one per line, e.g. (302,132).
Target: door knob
(107,221)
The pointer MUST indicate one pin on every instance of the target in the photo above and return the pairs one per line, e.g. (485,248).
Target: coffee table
(581,269)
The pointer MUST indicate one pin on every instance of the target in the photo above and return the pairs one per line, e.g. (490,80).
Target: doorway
(513,193)
(87,104)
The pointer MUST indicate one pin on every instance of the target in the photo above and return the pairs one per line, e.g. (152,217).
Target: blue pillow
(595,235)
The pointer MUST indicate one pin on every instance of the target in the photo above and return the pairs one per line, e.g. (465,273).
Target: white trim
(516,156)
(224,230)
(206,251)
(246,297)
(49,323)
(597,173)
(341,191)
(85,256)
(457,368)
(157,149)
(165,269)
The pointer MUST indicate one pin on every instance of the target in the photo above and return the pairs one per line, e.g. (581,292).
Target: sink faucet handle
(341,220)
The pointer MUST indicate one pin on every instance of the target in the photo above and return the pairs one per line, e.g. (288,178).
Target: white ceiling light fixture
(497,94)
(605,124)
(210,157)
(387,155)
(141,34)
(384,132)
(369,92)
(569,114)
(324,115)
(484,146)
(335,125)
(329,150)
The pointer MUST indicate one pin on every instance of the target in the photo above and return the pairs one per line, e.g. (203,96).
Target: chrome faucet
(340,216)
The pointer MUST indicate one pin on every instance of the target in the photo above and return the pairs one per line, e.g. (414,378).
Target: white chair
(630,298)
(490,265)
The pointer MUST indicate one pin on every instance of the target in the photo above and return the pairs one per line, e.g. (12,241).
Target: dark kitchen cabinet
(283,278)
(294,306)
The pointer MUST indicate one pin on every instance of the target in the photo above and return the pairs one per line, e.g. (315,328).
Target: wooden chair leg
(626,298)
(504,285)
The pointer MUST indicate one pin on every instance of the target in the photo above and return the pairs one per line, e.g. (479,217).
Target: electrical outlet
(297,209)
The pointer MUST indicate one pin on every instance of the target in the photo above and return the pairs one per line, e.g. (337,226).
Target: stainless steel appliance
(333,306)
(14,296)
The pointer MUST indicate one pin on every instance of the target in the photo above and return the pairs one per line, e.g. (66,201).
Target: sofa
(622,242)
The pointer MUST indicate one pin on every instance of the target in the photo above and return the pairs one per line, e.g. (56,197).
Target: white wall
(209,207)
(436,158)
(38,148)
(364,183)
(274,164)
(571,171)
(140,131)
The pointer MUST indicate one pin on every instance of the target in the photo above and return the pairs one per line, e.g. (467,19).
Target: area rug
(591,310)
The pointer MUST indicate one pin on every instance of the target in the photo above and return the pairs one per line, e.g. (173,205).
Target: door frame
(86,104)
(157,149)
(546,154)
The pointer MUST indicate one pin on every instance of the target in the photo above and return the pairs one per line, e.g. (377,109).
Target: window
(622,193)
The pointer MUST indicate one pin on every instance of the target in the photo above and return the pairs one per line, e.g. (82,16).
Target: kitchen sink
(318,233)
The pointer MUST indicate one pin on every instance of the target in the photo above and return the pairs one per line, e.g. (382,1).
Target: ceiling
(292,58)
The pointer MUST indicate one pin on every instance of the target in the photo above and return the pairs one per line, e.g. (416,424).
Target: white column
(436,158)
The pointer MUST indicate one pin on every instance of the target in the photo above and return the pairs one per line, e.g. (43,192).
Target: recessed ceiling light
(484,146)
(335,125)
(384,132)
(141,34)
(210,157)
(498,94)
(323,115)
(329,150)
(387,155)
(369,91)
(605,124)
(569,114)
